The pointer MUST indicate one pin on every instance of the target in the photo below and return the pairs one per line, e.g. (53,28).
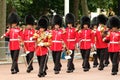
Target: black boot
(86,69)
(69,71)
(29,70)
(94,66)
(56,72)
(13,72)
(100,68)
(41,75)
(45,73)
(114,73)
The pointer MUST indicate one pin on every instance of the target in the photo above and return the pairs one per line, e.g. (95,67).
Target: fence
(6,57)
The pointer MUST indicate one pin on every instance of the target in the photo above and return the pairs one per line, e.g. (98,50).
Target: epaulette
(49,35)
(35,35)
(79,31)
(76,29)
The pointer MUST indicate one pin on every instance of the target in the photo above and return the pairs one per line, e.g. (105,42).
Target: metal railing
(7,57)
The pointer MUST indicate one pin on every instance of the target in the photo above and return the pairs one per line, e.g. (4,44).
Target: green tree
(76,9)
(84,6)
(45,7)
(21,6)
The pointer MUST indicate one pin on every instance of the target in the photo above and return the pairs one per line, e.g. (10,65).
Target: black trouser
(107,58)
(56,59)
(114,56)
(85,57)
(70,65)
(14,56)
(29,59)
(101,53)
(42,61)
(95,59)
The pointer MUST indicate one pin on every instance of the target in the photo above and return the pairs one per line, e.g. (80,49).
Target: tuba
(68,54)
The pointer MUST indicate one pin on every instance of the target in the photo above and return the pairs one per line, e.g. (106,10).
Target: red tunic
(70,38)
(99,41)
(57,38)
(114,44)
(14,35)
(86,38)
(41,50)
(28,42)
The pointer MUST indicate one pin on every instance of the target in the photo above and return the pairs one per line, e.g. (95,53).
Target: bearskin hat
(70,19)
(45,17)
(29,19)
(85,20)
(42,23)
(13,18)
(113,22)
(57,19)
(94,22)
(102,19)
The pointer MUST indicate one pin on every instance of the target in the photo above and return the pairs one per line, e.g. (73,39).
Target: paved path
(78,74)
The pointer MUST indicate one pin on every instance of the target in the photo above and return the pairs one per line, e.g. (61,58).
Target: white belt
(114,42)
(29,41)
(14,39)
(86,40)
(38,45)
(56,41)
(70,39)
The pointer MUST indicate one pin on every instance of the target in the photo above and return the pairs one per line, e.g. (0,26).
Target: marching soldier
(94,26)
(56,46)
(14,45)
(70,40)
(113,37)
(101,46)
(85,36)
(29,44)
(43,40)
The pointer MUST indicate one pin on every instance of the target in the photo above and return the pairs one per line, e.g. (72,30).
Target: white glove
(92,45)
(99,28)
(77,45)
(31,38)
(41,44)
(2,37)
(104,39)
(27,52)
